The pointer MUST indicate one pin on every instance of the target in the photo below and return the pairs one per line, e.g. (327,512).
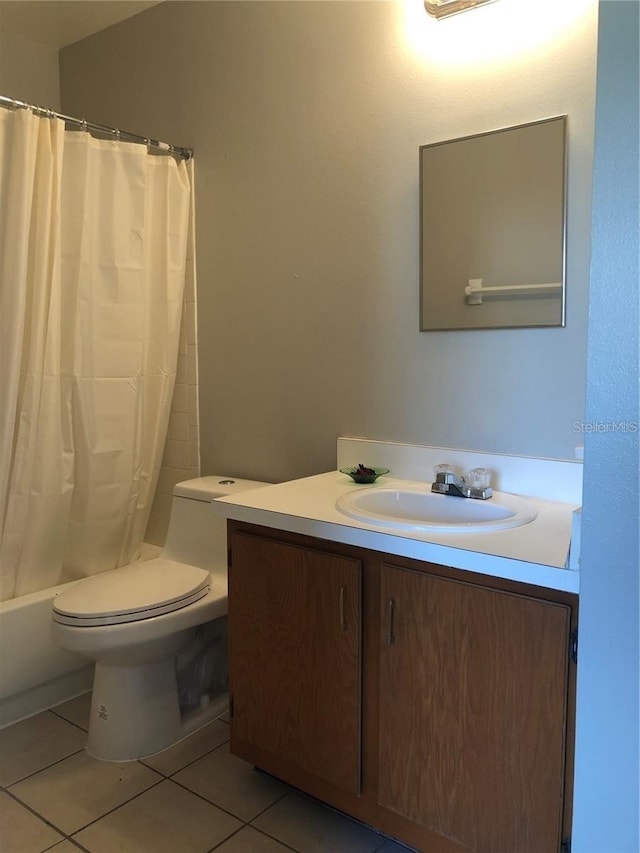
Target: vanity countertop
(534,553)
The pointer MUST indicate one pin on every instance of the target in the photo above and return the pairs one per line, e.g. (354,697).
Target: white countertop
(533,553)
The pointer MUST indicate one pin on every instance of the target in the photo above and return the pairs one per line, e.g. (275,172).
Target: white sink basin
(416,508)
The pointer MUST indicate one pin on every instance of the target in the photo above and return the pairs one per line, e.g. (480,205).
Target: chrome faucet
(449,483)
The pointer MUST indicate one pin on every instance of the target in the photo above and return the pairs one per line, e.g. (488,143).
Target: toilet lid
(131,593)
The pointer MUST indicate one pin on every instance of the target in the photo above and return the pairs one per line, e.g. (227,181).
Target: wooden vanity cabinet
(434,704)
(473,695)
(295,654)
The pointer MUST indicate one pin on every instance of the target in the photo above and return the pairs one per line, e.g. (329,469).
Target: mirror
(492,211)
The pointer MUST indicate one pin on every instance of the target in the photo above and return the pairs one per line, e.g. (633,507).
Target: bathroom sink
(415,507)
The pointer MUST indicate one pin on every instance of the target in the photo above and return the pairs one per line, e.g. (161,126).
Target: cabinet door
(473,694)
(294,646)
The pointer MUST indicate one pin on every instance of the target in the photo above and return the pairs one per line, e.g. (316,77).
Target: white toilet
(157,631)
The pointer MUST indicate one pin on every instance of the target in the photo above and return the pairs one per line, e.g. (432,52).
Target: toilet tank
(196,536)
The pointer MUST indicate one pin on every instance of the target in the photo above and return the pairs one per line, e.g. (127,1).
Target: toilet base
(135,711)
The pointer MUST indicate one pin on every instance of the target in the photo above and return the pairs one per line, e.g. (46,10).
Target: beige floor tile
(308,826)
(64,847)
(165,819)
(21,831)
(81,789)
(249,840)
(76,710)
(196,745)
(33,744)
(232,784)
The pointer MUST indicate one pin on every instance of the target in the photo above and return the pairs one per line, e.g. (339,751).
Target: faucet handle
(479,478)
(442,469)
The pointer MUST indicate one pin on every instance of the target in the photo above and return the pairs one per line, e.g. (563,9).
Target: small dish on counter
(362,474)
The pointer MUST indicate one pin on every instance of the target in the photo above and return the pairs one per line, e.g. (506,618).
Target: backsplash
(552,479)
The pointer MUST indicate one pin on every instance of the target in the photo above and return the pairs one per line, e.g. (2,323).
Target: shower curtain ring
(116,134)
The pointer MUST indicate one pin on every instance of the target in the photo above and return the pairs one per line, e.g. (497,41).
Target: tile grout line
(224,840)
(71,841)
(188,764)
(71,723)
(40,817)
(71,835)
(381,835)
(68,836)
(66,719)
(170,777)
(384,838)
(260,832)
(275,802)
(42,769)
(208,802)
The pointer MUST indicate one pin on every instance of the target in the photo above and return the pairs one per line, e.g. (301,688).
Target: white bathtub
(34,673)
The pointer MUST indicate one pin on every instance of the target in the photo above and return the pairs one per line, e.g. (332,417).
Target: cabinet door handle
(343,621)
(391,639)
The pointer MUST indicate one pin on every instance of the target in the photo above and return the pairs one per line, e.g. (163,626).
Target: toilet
(156,630)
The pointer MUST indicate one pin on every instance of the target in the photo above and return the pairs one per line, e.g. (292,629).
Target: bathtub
(34,673)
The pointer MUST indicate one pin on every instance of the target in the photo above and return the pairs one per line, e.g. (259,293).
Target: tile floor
(193,798)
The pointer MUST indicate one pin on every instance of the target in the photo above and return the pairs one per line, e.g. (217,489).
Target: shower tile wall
(181,459)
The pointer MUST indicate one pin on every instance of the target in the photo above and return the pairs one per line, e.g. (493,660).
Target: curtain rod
(12,103)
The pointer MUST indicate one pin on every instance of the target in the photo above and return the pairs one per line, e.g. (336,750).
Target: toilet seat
(131,594)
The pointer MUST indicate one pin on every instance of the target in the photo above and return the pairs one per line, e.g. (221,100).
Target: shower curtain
(93,242)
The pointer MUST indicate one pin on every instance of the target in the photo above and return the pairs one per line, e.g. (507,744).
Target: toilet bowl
(156,631)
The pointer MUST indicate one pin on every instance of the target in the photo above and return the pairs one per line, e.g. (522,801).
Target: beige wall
(29,71)
(306,119)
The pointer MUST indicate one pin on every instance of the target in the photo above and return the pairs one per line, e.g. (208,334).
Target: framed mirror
(492,226)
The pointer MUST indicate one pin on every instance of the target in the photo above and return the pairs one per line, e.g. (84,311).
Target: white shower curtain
(93,242)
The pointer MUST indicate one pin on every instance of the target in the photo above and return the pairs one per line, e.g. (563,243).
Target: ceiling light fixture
(443,8)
